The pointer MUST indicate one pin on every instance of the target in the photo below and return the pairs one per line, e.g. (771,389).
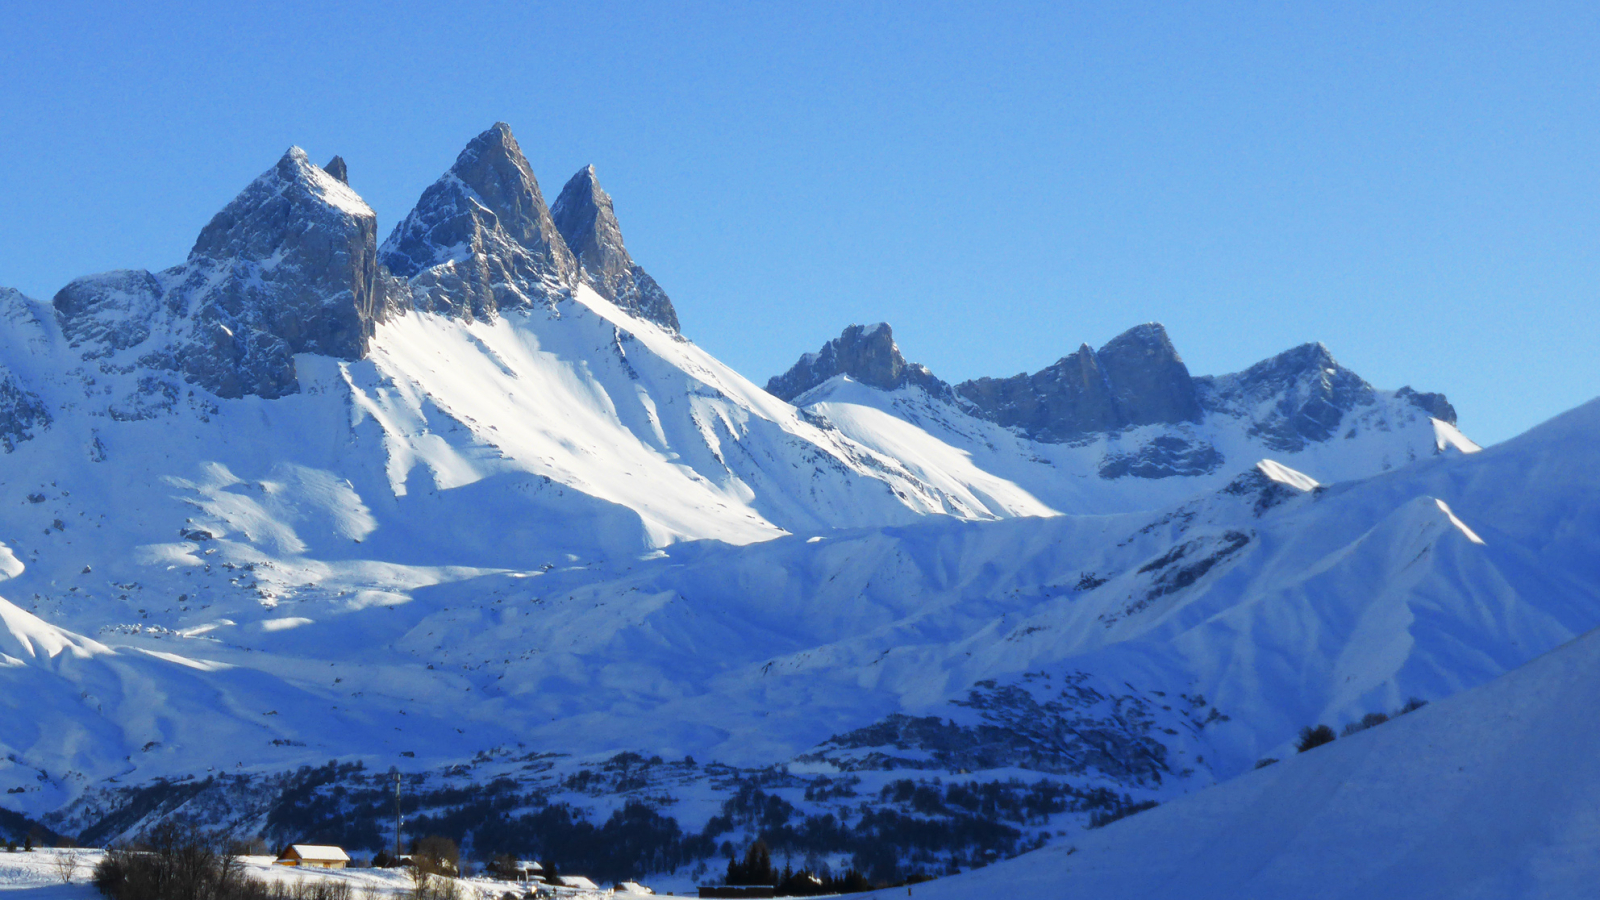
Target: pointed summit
(1305,393)
(289,266)
(481,237)
(338,169)
(584,216)
(291,191)
(1148,378)
(867,354)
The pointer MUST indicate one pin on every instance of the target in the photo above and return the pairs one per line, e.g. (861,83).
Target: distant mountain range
(467,503)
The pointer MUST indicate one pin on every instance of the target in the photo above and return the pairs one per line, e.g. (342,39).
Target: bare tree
(66,864)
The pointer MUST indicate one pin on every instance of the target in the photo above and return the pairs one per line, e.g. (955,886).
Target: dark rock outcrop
(290,266)
(584,216)
(1135,379)
(1149,382)
(1433,404)
(1305,391)
(22,413)
(338,169)
(1163,457)
(867,354)
(481,238)
(1065,401)
(112,311)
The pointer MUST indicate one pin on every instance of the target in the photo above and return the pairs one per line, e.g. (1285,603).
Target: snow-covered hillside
(1487,794)
(1274,605)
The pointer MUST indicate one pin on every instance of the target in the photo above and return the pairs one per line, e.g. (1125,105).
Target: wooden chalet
(313,856)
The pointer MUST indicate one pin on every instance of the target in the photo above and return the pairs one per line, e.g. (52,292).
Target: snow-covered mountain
(1122,428)
(469,497)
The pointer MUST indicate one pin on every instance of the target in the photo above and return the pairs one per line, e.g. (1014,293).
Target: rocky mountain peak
(338,169)
(289,266)
(1148,379)
(1306,391)
(481,237)
(866,353)
(1434,404)
(1137,378)
(293,195)
(493,167)
(584,216)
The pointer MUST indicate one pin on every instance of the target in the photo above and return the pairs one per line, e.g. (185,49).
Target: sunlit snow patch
(1282,474)
(284,624)
(10,566)
(1471,535)
(1446,438)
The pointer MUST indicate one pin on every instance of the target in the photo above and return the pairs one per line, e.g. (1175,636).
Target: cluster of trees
(179,862)
(917,825)
(757,869)
(1313,736)
(907,827)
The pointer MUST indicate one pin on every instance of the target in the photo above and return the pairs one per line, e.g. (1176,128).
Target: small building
(579,882)
(313,856)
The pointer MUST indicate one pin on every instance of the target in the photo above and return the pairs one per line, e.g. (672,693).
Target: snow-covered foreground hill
(1488,794)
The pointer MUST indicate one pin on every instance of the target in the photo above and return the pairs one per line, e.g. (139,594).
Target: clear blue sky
(1413,185)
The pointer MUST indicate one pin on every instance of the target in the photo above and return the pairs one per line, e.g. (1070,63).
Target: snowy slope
(1277,605)
(945,444)
(1486,794)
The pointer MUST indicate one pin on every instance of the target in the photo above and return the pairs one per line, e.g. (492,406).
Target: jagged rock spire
(481,237)
(867,354)
(338,169)
(584,216)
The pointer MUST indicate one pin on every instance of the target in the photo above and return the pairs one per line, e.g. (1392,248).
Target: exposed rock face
(584,217)
(290,266)
(1308,392)
(1433,404)
(1149,383)
(338,169)
(1163,457)
(23,414)
(1135,379)
(1063,402)
(481,238)
(867,354)
(112,311)
(1135,398)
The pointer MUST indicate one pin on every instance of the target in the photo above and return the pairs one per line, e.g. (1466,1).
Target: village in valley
(176,860)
